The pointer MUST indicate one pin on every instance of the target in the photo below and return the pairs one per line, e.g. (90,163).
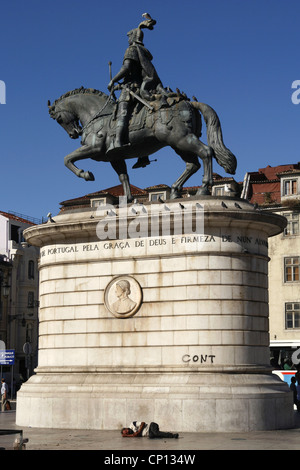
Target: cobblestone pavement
(77,439)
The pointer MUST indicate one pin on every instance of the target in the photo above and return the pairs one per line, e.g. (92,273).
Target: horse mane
(82,90)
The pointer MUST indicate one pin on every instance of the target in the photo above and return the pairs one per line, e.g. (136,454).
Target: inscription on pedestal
(198,242)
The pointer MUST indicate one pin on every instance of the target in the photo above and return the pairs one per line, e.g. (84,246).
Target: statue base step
(177,401)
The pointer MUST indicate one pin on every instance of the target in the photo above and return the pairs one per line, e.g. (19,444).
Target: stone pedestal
(167,322)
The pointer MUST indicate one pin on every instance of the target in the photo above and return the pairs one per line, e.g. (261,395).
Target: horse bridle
(98,113)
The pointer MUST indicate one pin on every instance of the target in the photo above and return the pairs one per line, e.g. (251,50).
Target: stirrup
(141,163)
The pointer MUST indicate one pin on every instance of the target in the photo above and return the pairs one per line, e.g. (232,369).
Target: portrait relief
(123,296)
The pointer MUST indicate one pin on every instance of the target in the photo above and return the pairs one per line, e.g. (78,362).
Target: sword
(137,97)
(119,86)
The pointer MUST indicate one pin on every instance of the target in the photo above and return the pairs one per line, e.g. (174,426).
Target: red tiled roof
(118,191)
(271,172)
(157,186)
(265,184)
(114,191)
(15,217)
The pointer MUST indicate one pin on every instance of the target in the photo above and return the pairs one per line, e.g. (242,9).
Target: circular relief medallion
(123,296)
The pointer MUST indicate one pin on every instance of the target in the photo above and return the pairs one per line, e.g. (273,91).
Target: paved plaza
(77,439)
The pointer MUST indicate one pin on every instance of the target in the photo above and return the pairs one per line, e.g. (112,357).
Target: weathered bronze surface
(145,118)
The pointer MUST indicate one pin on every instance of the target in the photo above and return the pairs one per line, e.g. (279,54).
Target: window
(289,187)
(29,332)
(292,315)
(30,300)
(14,233)
(156,196)
(30,269)
(219,190)
(292,227)
(291,269)
(98,202)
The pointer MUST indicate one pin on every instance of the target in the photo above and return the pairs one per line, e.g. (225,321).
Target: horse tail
(223,155)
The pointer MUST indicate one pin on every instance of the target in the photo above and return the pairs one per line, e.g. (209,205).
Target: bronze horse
(91,114)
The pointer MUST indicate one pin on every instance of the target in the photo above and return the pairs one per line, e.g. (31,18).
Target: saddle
(161,108)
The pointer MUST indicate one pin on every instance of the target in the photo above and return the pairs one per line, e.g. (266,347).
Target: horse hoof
(203,192)
(174,194)
(88,176)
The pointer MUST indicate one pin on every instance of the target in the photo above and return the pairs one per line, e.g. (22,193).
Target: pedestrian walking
(4,394)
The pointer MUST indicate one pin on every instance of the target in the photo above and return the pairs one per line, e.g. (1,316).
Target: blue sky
(239,56)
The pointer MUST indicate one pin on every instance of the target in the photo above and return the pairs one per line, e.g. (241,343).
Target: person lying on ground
(141,429)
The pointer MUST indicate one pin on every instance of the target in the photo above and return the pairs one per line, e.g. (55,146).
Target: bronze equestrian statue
(145,118)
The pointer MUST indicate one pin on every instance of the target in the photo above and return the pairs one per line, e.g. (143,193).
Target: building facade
(19,295)
(277,189)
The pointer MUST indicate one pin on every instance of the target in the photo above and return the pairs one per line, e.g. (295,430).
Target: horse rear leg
(192,166)
(121,168)
(191,144)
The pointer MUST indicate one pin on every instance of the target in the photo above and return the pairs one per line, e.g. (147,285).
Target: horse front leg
(86,151)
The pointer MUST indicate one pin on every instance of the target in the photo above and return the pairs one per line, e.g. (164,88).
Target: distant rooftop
(263,186)
(141,195)
(26,219)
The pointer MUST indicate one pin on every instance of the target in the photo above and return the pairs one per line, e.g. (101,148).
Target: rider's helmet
(137,35)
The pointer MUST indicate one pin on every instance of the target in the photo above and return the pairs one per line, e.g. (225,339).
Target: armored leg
(121,129)
(122,120)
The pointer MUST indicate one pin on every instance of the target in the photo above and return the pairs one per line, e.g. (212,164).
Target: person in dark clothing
(293,387)
(151,430)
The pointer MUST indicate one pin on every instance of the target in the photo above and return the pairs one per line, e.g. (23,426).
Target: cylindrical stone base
(166,321)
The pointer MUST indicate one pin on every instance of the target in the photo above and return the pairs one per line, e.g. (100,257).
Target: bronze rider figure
(139,76)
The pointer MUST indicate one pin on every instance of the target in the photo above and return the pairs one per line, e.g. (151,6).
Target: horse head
(66,118)
(81,105)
